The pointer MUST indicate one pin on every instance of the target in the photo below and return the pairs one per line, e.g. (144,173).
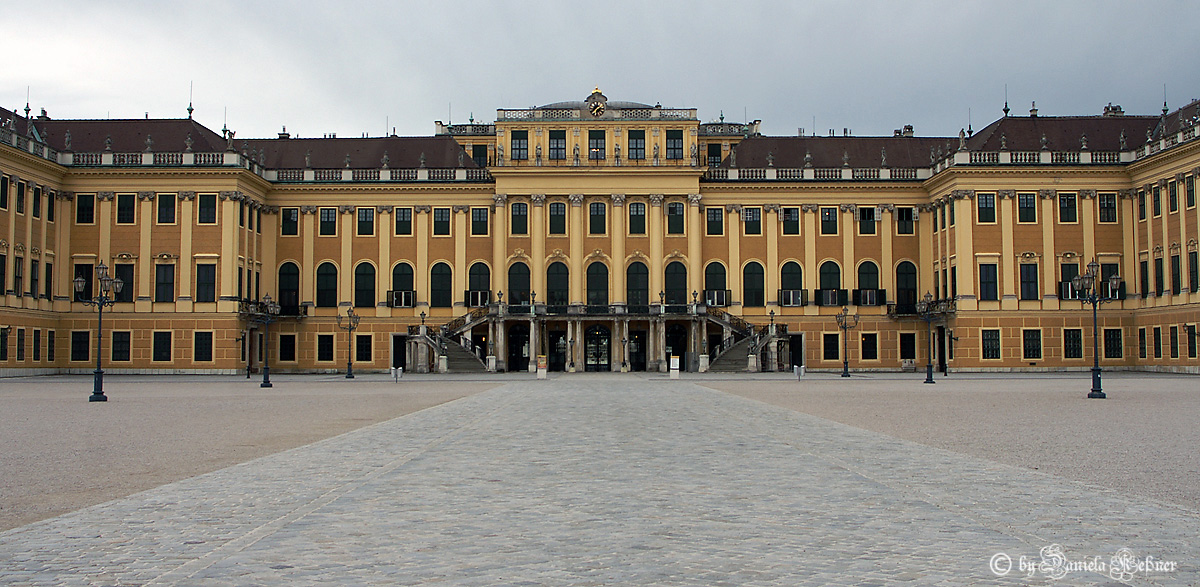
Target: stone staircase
(732,360)
(460,360)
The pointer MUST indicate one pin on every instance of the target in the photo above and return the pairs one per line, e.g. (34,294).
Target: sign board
(541,362)
(675,363)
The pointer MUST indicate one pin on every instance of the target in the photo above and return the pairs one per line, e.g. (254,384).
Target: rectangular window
(520,218)
(674,144)
(403,221)
(1032,347)
(558,145)
(1108,207)
(829,224)
(166,208)
(866,220)
(120,346)
(327,221)
(1072,343)
(85,209)
(80,345)
(1142,343)
(362,348)
(3,334)
(675,218)
(1173,333)
(1067,208)
(870,346)
(520,145)
(164,283)
(202,347)
(161,349)
(830,347)
(597,218)
(479,154)
(1190,191)
(715,225)
(242,214)
(752,221)
(479,221)
(791,220)
(207,209)
(1176,275)
(1144,274)
(988,284)
(441,221)
(1113,345)
(1029,281)
(1141,198)
(37,205)
(637,144)
(20,197)
(48,293)
(714,154)
(637,218)
(908,346)
(1026,207)
(289,221)
(1156,200)
(596,148)
(1194,271)
(37,345)
(366,222)
(206,282)
(1173,197)
(124,272)
(950,205)
(905,221)
(3,192)
(558,218)
(33,279)
(991,343)
(1191,341)
(1157,342)
(50,344)
(1159,281)
(324,347)
(287,348)
(84,270)
(3,273)
(18,275)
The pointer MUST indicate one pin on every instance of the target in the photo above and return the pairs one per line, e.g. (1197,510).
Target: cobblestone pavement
(604,480)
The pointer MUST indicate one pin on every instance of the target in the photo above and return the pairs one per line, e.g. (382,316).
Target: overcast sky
(353,67)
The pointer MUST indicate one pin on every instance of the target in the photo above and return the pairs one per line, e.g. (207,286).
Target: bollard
(397,373)
(799,370)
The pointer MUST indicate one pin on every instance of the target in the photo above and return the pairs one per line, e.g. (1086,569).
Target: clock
(596,108)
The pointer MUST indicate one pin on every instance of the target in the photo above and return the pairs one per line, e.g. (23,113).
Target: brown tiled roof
(1063,133)
(129,135)
(330,153)
(1178,120)
(790,152)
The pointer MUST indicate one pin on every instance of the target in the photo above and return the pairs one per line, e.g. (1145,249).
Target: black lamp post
(1088,285)
(572,359)
(846,321)
(109,287)
(928,312)
(624,354)
(268,311)
(351,324)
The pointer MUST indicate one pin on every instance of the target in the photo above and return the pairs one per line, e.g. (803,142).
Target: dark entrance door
(796,350)
(518,347)
(557,361)
(637,350)
(677,338)
(595,350)
(399,350)
(941,349)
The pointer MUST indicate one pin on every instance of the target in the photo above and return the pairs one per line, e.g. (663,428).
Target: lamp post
(1088,285)
(571,344)
(624,354)
(109,287)
(351,324)
(846,321)
(267,312)
(928,312)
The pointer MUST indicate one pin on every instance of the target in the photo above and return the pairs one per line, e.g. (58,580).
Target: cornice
(48,167)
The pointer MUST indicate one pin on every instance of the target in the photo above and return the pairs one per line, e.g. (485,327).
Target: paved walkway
(605,480)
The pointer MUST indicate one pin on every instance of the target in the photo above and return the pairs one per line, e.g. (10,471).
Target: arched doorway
(596,345)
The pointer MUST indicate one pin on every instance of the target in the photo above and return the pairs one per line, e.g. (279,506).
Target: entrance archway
(596,345)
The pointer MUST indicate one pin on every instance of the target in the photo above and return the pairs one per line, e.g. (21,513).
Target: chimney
(284,134)
(1111,110)
(896,133)
(908,130)
(1033,111)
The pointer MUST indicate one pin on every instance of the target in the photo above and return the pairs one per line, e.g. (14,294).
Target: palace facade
(605,236)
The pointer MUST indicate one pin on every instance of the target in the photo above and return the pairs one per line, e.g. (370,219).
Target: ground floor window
(1032,348)
(1113,348)
(908,346)
(287,347)
(870,346)
(50,346)
(20,344)
(80,343)
(161,346)
(1191,341)
(1073,343)
(991,343)
(324,347)
(37,344)
(362,348)
(120,345)
(202,347)
(829,347)
(1142,343)
(1157,342)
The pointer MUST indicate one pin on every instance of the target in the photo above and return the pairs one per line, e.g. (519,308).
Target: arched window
(752,285)
(327,282)
(364,285)
(597,284)
(676,283)
(906,285)
(868,275)
(714,276)
(402,277)
(558,285)
(439,286)
(791,277)
(289,288)
(479,278)
(518,284)
(831,275)
(637,284)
